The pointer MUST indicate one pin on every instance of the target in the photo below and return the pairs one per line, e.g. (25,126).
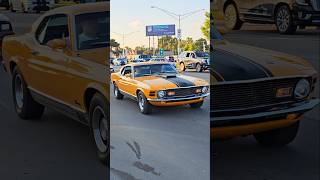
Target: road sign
(179,34)
(161,52)
(160,30)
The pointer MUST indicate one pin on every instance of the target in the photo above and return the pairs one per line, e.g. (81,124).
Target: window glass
(126,70)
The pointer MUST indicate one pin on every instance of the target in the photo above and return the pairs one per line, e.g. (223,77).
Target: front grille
(183,92)
(316,5)
(249,95)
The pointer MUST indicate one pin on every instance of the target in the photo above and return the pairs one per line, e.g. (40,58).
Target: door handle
(34,53)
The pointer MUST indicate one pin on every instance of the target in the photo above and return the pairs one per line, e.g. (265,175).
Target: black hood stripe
(233,67)
(180,82)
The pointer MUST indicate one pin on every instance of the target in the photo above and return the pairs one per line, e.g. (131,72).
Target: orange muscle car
(158,84)
(62,63)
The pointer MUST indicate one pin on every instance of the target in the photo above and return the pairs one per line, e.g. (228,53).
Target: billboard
(160,30)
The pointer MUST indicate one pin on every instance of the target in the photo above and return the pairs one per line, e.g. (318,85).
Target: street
(54,147)
(241,158)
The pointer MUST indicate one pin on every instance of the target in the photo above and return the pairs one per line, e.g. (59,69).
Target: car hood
(233,62)
(168,82)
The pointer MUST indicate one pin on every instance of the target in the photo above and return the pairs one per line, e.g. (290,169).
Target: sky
(131,17)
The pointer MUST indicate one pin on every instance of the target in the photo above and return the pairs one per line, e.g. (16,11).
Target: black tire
(284,20)
(182,66)
(199,67)
(25,106)
(278,137)
(116,92)
(144,105)
(196,105)
(100,126)
(231,17)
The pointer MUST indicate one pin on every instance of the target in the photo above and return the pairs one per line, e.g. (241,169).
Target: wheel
(25,106)
(99,125)
(231,17)
(144,105)
(182,67)
(284,20)
(196,105)
(199,67)
(278,137)
(116,92)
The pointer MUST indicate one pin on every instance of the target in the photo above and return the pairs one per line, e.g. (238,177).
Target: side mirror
(57,44)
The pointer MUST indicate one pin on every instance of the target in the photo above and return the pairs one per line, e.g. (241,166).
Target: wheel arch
(227,2)
(88,95)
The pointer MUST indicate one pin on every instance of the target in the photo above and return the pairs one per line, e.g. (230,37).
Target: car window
(126,70)
(92,30)
(188,55)
(55,27)
(40,32)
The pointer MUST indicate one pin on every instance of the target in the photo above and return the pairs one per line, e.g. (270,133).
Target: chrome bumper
(180,99)
(295,108)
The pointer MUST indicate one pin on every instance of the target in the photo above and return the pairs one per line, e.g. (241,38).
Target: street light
(178,17)
(123,37)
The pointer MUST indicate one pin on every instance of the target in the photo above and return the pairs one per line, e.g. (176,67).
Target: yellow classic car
(258,91)
(158,84)
(62,63)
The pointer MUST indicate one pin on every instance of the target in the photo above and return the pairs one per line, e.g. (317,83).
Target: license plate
(284,92)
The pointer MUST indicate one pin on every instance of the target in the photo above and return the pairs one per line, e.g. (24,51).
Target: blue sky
(133,15)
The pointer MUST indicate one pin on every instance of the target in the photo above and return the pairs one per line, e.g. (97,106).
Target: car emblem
(284,92)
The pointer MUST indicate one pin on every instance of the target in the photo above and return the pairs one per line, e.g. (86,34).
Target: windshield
(214,34)
(202,54)
(92,30)
(155,69)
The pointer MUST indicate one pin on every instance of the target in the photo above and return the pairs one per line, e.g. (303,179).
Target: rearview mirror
(57,44)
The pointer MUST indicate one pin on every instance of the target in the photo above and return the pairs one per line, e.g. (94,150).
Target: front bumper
(305,15)
(297,108)
(179,99)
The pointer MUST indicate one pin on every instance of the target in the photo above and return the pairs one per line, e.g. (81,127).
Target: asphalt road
(54,147)
(170,143)
(241,158)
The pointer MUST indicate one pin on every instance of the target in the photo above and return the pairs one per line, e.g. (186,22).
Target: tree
(199,43)
(205,28)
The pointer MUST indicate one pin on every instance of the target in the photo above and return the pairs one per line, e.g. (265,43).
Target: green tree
(205,28)
(199,43)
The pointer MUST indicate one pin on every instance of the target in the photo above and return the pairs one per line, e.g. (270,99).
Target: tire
(116,92)
(196,105)
(182,67)
(199,67)
(278,137)
(144,105)
(284,20)
(25,106)
(100,126)
(231,17)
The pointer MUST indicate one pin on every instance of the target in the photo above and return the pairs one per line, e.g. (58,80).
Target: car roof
(147,63)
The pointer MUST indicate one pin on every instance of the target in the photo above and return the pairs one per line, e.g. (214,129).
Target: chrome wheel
(100,129)
(141,102)
(230,16)
(283,19)
(18,89)
(115,91)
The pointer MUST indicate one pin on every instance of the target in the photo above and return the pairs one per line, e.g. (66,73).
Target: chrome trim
(184,88)
(261,79)
(298,107)
(179,99)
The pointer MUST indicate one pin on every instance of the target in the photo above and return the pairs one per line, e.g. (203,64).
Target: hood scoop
(167,76)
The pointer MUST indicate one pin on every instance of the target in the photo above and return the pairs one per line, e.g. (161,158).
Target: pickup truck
(194,60)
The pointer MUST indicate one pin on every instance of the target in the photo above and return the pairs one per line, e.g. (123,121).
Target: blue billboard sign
(161,30)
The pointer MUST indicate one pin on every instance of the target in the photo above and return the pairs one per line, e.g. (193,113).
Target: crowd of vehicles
(61,49)
(28,6)
(258,92)
(287,15)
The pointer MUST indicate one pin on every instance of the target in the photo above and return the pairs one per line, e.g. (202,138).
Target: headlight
(161,94)
(204,89)
(302,89)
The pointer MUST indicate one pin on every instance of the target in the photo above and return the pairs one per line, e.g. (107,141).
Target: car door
(47,66)
(125,83)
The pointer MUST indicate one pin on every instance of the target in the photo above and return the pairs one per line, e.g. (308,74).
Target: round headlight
(204,89)
(302,89)
(161,94)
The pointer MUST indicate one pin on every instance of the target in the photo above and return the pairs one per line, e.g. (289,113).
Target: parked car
(194,60)
(258,92)
(5,30)
(53,66)
(141,58)
(158,84)
(287,15)
(120,61)
(31,5)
